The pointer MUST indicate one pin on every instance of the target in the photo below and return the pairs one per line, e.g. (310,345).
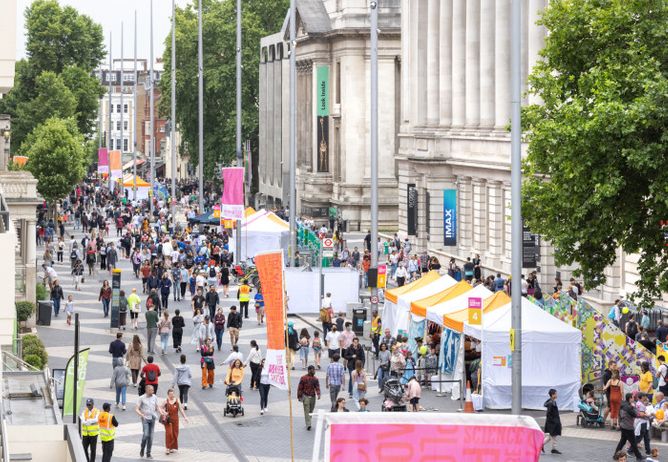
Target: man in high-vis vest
(90,428)
(243,294)
(108,424)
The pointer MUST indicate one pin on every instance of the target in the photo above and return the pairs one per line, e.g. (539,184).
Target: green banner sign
(68,408)
(323,91)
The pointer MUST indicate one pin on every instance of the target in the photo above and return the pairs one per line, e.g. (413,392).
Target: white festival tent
(435,313)
(260,232)
(396,316)
(550,358)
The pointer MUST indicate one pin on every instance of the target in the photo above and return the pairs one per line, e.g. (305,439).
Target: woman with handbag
(359,381)
(207,364)
(170,420)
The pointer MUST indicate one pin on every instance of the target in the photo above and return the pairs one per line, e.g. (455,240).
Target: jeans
(107,450)
(164,341)
(177,293)
(148,427)
(333,394)
(309,407)
(243,309)
(264,395)
(644,436)
(121,394)
(116,361)
(56,305)
(183,393)
(381,378)
(219,337)
(151,333)
(326,327)
(350,382)
(105,306)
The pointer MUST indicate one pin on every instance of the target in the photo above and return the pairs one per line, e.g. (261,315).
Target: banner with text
(232,206)
(115,165)
(102,161)
(68,400)
(449,217)
(270,269)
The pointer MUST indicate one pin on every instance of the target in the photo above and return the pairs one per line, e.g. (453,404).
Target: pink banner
(102,160)
(412,442)
(233,193)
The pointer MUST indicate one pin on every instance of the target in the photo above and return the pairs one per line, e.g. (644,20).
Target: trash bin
(44,309)
(359,316)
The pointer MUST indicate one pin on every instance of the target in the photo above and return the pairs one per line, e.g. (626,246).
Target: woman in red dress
(172,408)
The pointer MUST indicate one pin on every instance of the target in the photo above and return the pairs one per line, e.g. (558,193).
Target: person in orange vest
(243,294)
(108,424)
(90,429)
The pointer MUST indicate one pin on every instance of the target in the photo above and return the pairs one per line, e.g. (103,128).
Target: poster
(102,161)
(232,206)
(450,217)
(115,165)
(270,269)
(68,408)
(475,311)
(115,299)
(530,248)
(412,209)
(322,118)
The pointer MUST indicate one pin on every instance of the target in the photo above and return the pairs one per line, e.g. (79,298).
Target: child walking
(552,421)
(69,309)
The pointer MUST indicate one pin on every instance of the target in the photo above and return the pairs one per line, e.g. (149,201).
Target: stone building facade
(333,112)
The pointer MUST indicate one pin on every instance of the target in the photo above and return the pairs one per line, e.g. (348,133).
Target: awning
(129,164)
(393,294)
(419,307)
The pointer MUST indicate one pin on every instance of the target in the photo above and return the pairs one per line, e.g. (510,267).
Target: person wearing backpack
(661,374)
(326,314)
(631,328)
(150,373)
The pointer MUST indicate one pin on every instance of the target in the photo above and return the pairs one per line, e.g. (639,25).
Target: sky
(110,14)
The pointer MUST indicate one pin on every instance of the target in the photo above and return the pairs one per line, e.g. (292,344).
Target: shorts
(415,400)
(133,315)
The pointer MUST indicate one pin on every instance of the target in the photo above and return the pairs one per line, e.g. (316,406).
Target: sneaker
(123,407)
(308,428)
(185,407)
(261,411)
(141,453)
(555,451)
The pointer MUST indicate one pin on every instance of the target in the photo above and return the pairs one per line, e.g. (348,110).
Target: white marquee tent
(262,231)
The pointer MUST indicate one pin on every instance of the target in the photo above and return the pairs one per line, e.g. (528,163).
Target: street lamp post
(293,131)
(134,121)
(173,116)
(152,117)
(122,107)
(200,105)
(516,202)
(238,140)
(374,150)
(109,139)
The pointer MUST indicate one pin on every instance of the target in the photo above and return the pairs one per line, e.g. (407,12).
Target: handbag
(361,386)
(165,419)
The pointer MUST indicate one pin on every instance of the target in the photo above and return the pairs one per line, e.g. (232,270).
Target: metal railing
(13,363)
(4,215)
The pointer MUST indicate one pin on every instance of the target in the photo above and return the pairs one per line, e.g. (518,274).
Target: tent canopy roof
(128,181)
(393,294)
(437,313)
(419,307)
(455,320)
(434,287)
(265,221)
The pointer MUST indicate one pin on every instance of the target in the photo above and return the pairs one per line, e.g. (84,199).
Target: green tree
(56,157)
(52,99)
(597,166)
(219,43)
(87,90)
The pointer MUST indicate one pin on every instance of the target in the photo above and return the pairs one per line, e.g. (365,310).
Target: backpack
(151,376)
(212,272)
(611,313)
(73,255)
(324,315)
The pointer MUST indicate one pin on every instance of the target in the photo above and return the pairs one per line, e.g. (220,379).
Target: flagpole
(134,122)
(152,116)
(173,115)
(109,142)
(122,106)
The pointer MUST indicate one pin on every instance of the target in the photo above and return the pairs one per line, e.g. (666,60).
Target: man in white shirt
(233,356)
(332,340)
(661,374)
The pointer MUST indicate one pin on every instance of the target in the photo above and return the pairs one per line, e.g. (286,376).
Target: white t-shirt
(333,340)
(663,370)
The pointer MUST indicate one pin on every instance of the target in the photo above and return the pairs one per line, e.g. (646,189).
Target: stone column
(445,63)
(433,47)
(495,222)
(465,212)
(480,223)
(458,63)
(502,65)
(30,259)
(487,23)
(406,100)
(422,81)
(536,38)
(472,63)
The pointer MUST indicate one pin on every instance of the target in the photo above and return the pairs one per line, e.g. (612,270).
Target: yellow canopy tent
(456,319)
(128,182)
(249,211)
(419,307)
(393,294)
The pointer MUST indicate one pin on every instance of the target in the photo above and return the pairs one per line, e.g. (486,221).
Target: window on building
(112,76)
(118,143)
(125,125)
(125,108)
(118,108)
(125,144)
(118,125)
(111,108)
(128,77)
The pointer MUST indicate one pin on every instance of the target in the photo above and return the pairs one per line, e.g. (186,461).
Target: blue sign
(449,217)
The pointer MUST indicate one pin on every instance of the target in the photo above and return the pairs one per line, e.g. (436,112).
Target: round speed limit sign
(374,300)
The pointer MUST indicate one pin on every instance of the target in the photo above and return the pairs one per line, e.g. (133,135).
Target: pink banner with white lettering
(418,442)
(102,161)
(233,193)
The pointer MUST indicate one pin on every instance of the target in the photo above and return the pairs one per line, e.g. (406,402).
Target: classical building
(332,111)
(7,45)
(453,157)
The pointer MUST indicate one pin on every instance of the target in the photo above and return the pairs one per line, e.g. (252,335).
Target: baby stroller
(588,416)
(233,397)
(393,392)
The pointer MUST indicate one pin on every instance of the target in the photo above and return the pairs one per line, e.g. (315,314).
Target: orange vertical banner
(270,269)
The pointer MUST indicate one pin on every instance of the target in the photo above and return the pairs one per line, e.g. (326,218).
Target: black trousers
(255,375)
(628,435)
(89,444)
(184,286)
(243,309)
(177,335)
(107,450)
(183,393)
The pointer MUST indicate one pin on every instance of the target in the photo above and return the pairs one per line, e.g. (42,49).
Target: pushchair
(393,392)
(588,416)
(233,401)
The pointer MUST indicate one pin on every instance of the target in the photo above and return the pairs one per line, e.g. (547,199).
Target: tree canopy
(56,157)
(597,163)
(219,45)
